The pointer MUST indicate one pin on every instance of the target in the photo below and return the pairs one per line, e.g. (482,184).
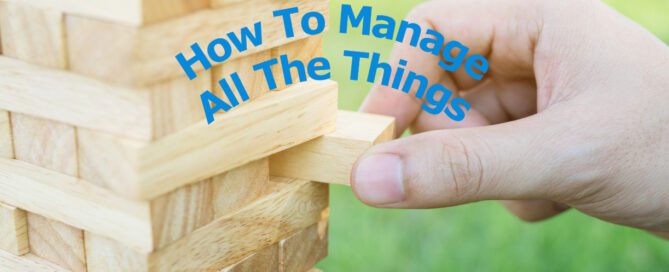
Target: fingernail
(378,180)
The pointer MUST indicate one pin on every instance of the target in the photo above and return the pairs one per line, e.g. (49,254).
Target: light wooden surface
(29,262)
(6,142)
(266,259)
(57,242)
(33,34)
(295,205)
(104,254)
(250,132)
(145,55)
(240,187)
(304,249)
(73,99)
(330,158)
(303,50)
(132,12)
(13,230)
(61,197)
(176,105)
(50,145)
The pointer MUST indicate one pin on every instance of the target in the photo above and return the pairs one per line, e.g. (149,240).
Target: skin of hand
(574,112)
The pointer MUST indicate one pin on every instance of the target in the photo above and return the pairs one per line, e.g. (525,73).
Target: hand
(574,112)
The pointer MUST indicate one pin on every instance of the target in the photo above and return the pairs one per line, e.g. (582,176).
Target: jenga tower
(107,163)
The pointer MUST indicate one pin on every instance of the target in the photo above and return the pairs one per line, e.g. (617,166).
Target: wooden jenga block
(303,50)
(56,242)
(356,132)
(176,104)
(51,145)
(266,259)
(13,230)
(73,99)
(303,250)
(133,12)
(29,262)
(255,83)
(45,143)
(142,56)
(33,34)
(240,186)
(6,142)
(79,204)
(280,121)
(103,254)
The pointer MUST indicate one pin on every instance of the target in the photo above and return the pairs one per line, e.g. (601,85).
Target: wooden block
(296,205)
(176,104)
(29,262)
(73,99)
(103,254)
(293,205)
(303,250)
(240,186)
(303,50)
(76,203)
(45,143)
(330,158)
(133,12)
(33,34)
(178,213)
(56,242)
(50,145)
(280,121)
(6,142)
(13,230)
(139,56)
(266,259)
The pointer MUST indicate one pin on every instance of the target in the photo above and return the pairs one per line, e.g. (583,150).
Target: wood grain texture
(6,138)
(266,259)
(254,82)
(330,158)
(51,145)
(133,12)
(13,230)
(44,143)
(295,205)
(145,55)
(252,131)
(175,104)
(180,212)
(61,198)
(33,34)
(239,187)
(303,50)
(73,99)
(304,249)
(29,262)
(104,254)
(57,242)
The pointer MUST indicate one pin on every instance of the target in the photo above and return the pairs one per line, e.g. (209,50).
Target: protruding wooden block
(330,158)
(280,121)
(143,56)
(57,242)
(6,142)
(33,34)
(13,230)
(266,259)
(28,262)
(303,250)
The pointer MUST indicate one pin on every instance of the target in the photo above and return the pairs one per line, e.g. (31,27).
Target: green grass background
(481,236)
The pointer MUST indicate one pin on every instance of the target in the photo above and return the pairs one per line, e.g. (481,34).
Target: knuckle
(465,169)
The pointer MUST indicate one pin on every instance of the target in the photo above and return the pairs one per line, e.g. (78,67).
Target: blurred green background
(482,236)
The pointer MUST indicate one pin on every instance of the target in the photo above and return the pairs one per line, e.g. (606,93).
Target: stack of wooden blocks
(107,164)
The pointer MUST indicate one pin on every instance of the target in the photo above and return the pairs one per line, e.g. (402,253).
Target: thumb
(450,167)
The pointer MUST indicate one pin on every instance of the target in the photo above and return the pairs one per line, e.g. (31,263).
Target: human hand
(573,113)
